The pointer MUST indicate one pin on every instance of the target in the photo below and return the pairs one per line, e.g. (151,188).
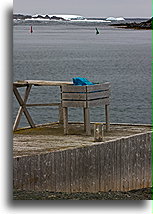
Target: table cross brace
(22,108)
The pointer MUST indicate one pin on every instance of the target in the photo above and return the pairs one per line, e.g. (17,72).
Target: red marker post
(31,30)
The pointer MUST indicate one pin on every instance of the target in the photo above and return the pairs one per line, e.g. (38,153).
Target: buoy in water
(97,32)
(31,30)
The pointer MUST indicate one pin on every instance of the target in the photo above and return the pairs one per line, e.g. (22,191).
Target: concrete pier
(46,159)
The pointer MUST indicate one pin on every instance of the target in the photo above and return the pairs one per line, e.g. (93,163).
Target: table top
(21,83)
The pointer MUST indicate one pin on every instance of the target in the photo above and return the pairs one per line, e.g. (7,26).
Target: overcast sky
(87,8)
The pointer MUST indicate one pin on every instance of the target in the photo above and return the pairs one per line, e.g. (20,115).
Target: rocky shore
(141,194)
(148,25)
(24,17)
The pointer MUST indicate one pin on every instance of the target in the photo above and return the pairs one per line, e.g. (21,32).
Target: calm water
(64,51)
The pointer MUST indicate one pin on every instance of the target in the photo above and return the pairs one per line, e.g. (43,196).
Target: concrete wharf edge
(122,164)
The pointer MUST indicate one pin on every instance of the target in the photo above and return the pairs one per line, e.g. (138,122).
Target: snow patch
(115,19)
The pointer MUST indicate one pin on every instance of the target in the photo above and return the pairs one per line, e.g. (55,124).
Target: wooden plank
(74,104)
(53,172)
(47,83)
(74,96)
(73,88)
(107,116)
(145,161)
(148,160)
(118,165)
(113,158)
(97,168)
(87,122)
(98,102)
(114,167)
(36,169)
(106,169)
(122,167)
(19,177)
(98,95)
(77,170)
(63,171)
(89,167)
(14,172)
(36,172)
(102,161)
(22,173)
(85,96)
(85,88)
(84,119)
(48,171)
(32,173)
(110,163)
(127,165)
(58,170)
(133,162)
(86,165)
(42,104)
(65,119)
(72,170)
(91,171)
(138,164)
(43,172)
(130,163)
(20,84)
(142,162)
(97,87)
(68,171)
(60,114)
(25,168)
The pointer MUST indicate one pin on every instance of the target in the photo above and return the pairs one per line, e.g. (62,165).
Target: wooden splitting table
(22,101)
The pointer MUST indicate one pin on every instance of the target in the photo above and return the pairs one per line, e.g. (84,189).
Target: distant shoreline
(148,25)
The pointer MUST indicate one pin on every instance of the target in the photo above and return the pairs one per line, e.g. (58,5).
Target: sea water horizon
(63,50)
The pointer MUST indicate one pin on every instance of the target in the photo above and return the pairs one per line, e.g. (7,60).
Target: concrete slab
(50,137)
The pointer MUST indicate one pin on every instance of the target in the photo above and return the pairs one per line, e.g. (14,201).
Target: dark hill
(142,25)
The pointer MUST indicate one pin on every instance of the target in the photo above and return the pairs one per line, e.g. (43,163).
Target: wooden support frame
(22,108)
(65,118)
(86,96)
(87,121)
(107,116)
(23,101)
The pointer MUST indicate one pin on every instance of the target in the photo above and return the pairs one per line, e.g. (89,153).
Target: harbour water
(61,51)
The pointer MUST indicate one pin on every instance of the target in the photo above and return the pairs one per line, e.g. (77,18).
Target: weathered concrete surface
(48,138)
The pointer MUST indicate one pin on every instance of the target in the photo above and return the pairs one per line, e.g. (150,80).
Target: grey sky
(87,8)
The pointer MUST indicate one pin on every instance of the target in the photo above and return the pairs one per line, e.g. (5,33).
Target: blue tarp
(81,81)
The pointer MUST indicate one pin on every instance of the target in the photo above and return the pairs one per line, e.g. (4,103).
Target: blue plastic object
(81,81)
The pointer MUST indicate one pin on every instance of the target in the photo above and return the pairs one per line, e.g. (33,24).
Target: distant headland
(39,17)
(147,25)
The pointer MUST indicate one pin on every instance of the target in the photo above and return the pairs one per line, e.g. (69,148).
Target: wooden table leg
(61,108)
(22,103)
(87,121)
(65,118)
(107,117)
